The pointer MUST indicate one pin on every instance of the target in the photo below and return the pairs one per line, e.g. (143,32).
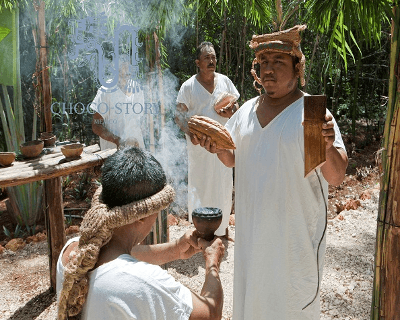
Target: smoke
(170,143)
(77,34)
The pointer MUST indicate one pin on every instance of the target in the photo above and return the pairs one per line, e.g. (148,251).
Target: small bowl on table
(6,158)
(48,138)
(31,149)
(72,151)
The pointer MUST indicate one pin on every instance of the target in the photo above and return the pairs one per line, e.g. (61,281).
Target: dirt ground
(24,274)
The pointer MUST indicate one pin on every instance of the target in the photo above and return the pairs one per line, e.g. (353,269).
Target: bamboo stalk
(381,287)
(18,111)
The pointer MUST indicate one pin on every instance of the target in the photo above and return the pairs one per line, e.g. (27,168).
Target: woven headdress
(96,231)
(287,41)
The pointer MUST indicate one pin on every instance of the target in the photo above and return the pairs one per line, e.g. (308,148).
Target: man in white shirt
(106,274)
(280,214)
(210,183)
(118,110)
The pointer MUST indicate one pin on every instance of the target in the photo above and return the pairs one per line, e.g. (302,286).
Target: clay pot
(6,158)
(206,220)
(31,149)
(72,151)
(48,138)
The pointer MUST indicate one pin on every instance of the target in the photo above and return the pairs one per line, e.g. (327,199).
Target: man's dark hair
(202,45)
(129,175)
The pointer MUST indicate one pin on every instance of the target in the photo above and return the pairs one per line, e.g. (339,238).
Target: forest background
(352,69)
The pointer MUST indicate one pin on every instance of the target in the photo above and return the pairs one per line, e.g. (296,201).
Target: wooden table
(50,168)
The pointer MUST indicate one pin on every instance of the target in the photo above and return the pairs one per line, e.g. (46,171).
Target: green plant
(66,181)
(84,182)
(18,232)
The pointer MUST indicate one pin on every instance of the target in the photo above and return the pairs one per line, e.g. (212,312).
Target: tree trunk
(244,58)
(44,73)
(311,61)
(355,96)
(386,291)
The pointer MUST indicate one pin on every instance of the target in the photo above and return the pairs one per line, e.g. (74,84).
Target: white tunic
(280,218)
(127,288)
(210,183)
(121,114)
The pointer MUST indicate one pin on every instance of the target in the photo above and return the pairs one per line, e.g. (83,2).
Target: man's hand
(188,244)
(206,143)
(328,132)
(213,251)
(227,113)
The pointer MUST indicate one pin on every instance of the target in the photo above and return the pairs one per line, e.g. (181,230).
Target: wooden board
(314,142)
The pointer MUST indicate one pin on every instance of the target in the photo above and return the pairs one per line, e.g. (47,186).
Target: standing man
(210,183)
(281,216)
(118,111)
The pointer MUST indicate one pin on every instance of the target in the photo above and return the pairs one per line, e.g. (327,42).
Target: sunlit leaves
(346,20)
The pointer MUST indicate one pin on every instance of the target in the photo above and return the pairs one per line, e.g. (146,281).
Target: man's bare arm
(208,305)
(181,118)
(334,169)
(99,129)
(227,157)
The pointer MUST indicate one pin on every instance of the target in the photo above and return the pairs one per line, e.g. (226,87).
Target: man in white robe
(117,112)
(210,183)
(280,215)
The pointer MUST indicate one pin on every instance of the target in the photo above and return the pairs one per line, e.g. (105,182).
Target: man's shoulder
(188,82)
(222,76)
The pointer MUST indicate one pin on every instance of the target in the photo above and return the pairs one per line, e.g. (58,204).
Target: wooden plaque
(314,142)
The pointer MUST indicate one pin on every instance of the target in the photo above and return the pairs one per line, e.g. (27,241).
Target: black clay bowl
(206,220)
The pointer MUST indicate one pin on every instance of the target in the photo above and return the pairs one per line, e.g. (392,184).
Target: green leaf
(4,32)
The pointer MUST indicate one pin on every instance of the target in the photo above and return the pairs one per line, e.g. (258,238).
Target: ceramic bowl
(206,220)
(48,138)
(6,158)
(31,149)
(72,150)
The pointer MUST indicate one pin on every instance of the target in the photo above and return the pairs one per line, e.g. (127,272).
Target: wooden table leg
(55,220)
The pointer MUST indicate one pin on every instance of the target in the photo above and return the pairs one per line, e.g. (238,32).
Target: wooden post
(46,94)
(55,224)
(314,142)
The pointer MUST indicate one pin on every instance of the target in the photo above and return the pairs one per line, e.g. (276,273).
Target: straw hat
(286,41)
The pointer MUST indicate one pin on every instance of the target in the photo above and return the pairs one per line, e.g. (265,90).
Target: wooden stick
(314,142)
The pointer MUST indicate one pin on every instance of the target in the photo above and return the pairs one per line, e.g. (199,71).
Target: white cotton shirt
(122,113)
(210,183)
(280,218)
(127,288)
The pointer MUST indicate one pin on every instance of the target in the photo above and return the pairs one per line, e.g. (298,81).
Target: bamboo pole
(386,277)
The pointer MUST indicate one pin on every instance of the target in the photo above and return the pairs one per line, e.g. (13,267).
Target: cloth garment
(280,218)
(121,113)
(127,288)
(210,183)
